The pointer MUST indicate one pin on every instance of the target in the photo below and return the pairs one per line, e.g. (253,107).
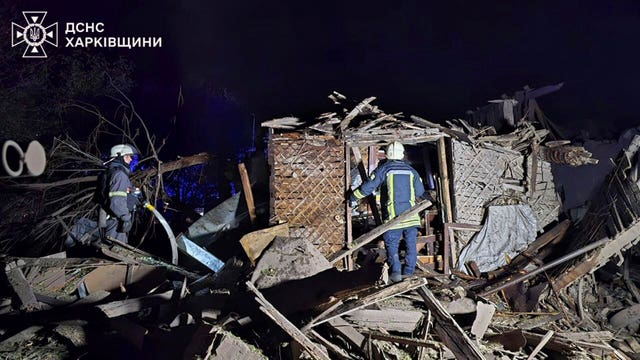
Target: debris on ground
(505,270)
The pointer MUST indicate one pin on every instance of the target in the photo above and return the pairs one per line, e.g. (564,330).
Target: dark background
(243,62)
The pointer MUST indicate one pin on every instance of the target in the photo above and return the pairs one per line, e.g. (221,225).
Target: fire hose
(167,228)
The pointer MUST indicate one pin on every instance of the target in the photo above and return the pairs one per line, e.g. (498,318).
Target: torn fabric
(506,232)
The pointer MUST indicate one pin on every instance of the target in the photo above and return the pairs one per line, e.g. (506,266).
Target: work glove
(125,224)
(134,199)
(350,199)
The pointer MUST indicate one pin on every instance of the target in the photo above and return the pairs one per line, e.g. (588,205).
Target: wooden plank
(248,194)
(424,335)
(398,320)
(588,335)
(623,240)
(21,336)
(344,124)
(554,343)
(541,344)
(402,340)
(52,278)
(444,175)
(335,349)
(295,333)
(380,295)
(448,329)
(343,328)
(457,134)
(449,238)
(556,262)
(20,285)
(534,169)
(322,315)
(375,232)
(111,277)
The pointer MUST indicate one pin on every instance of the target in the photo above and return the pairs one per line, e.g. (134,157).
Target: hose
(167,228)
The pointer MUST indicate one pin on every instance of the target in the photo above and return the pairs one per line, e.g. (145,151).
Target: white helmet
(395,151)
(123,149)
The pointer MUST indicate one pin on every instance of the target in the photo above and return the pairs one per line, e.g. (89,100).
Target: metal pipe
(554,263)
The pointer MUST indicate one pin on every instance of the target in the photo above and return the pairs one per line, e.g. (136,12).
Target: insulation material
(484,176)
(307,188)
(507,231)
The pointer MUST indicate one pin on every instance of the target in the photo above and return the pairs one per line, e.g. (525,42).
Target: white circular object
(5,165)
(35,158)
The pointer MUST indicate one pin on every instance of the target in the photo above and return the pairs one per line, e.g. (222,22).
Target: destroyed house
(313,165)
(488,285)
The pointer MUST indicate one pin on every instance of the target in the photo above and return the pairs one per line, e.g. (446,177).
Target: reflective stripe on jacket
(399,185)
(119,184)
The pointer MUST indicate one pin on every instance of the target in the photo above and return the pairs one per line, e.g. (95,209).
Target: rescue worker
(400,186)
(116,218)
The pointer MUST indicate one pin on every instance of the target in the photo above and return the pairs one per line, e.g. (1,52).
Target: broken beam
(374,233)
(448,329)
(378,296)
(295,333)
(556,262)
(248,194)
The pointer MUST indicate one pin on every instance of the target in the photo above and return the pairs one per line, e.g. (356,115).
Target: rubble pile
(503,272)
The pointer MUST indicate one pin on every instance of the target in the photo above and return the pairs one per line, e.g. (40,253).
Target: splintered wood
(613,214)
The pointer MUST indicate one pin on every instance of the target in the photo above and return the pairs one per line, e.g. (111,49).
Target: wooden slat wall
(478,176)
(307,187)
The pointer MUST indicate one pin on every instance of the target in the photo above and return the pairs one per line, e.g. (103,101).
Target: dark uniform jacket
(399,185)
(119,188)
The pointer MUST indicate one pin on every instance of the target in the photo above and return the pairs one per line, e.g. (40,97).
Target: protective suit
(400,185)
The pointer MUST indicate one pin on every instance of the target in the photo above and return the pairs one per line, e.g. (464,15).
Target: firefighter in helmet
(400,186)
(118,199)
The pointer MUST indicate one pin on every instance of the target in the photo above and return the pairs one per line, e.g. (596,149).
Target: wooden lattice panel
(482,176)
(307,188)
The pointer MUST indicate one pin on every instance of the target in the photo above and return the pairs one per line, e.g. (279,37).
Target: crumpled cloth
(507,231)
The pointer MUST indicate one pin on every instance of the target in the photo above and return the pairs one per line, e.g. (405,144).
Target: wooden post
(444,175)
(248,195)
(446,197)
(450,242)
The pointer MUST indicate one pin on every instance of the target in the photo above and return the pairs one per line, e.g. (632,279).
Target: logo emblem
(34,34)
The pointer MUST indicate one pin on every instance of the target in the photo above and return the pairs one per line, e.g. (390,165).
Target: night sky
(433,59)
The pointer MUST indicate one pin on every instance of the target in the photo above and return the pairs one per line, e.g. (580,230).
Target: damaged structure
(503,271)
